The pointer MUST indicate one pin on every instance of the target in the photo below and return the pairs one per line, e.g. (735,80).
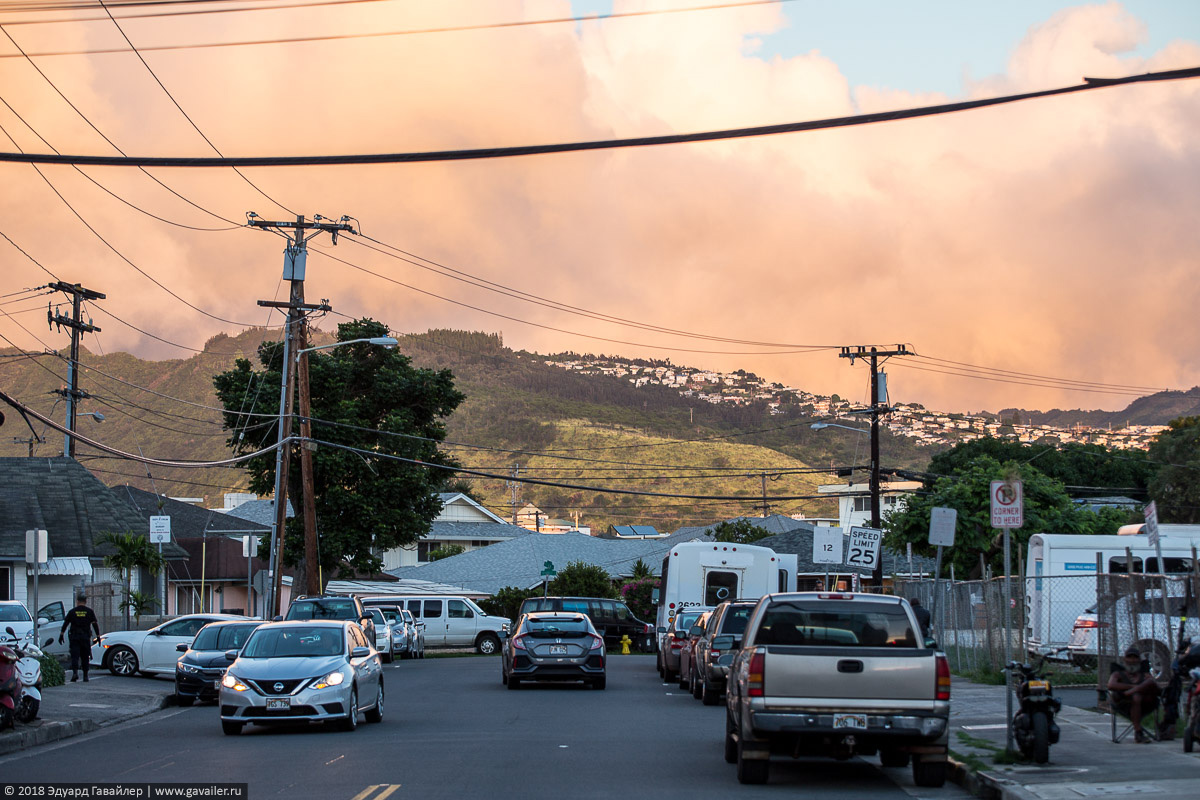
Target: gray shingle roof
(261,512)
(187,520)
(60,496)
(474,530)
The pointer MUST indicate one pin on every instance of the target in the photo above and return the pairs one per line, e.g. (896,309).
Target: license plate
(1039,684)
(217,684)
(849,721)
(558,649)
(279,702)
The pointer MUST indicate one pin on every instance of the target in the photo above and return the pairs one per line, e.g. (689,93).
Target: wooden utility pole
(77,326)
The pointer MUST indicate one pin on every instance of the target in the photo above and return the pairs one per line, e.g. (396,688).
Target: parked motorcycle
(29,669)
(1188,663)
(1034,728)
(10,687)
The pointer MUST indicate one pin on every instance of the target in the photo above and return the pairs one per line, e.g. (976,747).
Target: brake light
(836,596)
(943,677)
(714,654)
(676,644)
(754,681)
(1090,623)
(646,628)
(597,643)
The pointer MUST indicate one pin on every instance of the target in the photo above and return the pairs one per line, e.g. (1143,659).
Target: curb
(44,734)
(977,783)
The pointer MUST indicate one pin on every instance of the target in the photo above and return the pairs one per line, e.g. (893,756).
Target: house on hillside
(216,575)
(463,522)
(854,501)
(60,496)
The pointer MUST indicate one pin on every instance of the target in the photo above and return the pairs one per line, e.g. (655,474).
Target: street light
(382,341)
(816,426)
(96,415)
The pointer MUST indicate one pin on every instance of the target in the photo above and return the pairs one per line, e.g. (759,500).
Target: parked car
(612,618)
(154,651)
(452,621)
(710,662)
(383,634)
(687,650)
(672,642)
(199,671)
(416,632)
(332,606)
(554,646)
(1143,614)
(401,642)
(14,613)
(303,671)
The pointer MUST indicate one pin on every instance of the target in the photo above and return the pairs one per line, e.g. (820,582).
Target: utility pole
(295,258)
(77,326)
(878,406)
(514,491)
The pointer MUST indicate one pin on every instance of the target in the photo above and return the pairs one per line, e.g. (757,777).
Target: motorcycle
(10,687)
(1034,728)
(29,669)
(1188,663)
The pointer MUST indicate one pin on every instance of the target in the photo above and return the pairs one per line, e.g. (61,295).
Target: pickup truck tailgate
(847,673)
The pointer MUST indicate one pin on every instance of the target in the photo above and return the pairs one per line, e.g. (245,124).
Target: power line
(1089,84)
(54,6)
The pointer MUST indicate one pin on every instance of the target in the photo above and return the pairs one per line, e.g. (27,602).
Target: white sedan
(153,651)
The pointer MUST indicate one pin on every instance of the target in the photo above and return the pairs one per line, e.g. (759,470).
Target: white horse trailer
(1060,574)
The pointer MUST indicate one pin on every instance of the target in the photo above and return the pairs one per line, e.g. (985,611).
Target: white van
(450,620)
(1060,574)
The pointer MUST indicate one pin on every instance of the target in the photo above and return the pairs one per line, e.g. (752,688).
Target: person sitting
(1133,692)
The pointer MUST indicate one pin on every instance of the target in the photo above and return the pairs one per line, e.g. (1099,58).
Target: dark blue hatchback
(199,671)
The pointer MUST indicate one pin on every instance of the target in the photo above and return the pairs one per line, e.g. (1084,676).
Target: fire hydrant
(625,642)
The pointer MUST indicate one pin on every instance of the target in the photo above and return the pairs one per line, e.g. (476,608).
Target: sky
(1050,239)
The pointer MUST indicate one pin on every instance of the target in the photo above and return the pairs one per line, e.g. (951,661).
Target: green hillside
(628,435)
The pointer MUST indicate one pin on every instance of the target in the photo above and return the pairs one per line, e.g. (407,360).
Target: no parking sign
(1007,504)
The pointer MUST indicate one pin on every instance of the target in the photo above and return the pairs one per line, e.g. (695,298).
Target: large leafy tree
(369,398)
(741,531)
(1048,509)
(1176,487)
(580,579)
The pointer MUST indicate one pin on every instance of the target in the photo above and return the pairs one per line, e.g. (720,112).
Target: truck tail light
(1090,623)
(754,681)
(943,677)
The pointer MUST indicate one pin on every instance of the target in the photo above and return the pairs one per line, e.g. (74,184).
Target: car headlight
(188,668)
(332,679)
(231,681)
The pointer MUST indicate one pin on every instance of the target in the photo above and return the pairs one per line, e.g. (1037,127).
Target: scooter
(1034,727)
(29,668)
(10,687)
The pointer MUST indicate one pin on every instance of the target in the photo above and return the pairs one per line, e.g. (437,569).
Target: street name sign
(827,545)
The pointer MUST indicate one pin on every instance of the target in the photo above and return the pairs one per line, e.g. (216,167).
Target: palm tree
(130,552)
(139,603)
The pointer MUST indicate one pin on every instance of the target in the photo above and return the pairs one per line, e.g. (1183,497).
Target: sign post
(160,533)
(37,552)
(1151,514)
(827,548)
(942,522)
(249,550)
(548,572)
(864,548)
(1007,513)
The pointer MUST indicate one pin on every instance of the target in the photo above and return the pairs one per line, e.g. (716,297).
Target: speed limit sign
(864,547)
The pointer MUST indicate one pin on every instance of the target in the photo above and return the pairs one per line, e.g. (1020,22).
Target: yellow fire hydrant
(625,642)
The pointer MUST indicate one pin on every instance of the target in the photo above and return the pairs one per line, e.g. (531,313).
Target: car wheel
(683,680)
(751,770)
(487,644)
(376,713)
(668,674)
(387,657)
(514,682)
(231,728)
(730,741)
(697,685)
(1159,657)
(893,758)
(600,683)
(122,661)
(710,697)
(929,773)
(180,700)
(350,723)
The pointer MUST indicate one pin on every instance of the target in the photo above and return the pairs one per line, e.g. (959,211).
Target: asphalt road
(451,730)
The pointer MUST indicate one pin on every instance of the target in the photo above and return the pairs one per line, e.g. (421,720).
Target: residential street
(451,731)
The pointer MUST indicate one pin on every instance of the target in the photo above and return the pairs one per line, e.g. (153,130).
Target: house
(797,538)
(216,575)
(60,496)
(258,511)
(462,522)
(632,532)
(854,501)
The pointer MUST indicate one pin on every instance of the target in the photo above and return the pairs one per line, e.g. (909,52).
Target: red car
(687,651)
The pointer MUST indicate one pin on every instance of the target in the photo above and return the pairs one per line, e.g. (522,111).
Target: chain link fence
(1150,613)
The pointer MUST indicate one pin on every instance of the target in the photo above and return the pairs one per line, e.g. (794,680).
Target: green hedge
(53,673)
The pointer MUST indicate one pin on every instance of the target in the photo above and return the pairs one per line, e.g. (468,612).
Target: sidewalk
(77,708)
(1084,763)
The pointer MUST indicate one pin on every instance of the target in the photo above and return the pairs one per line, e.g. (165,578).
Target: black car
(553,646)
(332,606)
(199,671)
(612,618)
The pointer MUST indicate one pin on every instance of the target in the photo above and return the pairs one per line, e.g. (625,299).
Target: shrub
(582,580)
(507,601)
(53,673)
(636,595)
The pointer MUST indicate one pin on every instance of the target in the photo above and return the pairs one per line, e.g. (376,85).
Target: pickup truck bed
(839,675)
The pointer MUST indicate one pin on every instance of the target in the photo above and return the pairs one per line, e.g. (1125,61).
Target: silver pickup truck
(838,675)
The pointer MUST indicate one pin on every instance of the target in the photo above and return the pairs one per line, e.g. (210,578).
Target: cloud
(1052,237)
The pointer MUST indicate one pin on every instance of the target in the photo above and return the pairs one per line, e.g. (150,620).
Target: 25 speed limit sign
(864,547)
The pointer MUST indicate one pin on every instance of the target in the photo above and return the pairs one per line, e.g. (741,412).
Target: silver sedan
(303,671)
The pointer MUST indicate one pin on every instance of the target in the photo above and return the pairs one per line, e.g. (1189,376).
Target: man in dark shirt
(80,620)
(1133,692)
(922,615)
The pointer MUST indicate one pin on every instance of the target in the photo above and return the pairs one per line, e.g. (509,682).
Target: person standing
(922,614)
(80,620)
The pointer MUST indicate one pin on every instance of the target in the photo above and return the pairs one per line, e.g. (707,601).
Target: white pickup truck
(838,675)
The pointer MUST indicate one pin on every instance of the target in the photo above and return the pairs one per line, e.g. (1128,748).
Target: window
(831,623)
(433,609)
(577,606)
(719,587)
(1174,566)
(862,504)
(14,613)
(623,612)
(457,609)
(5,581)
(1119,565)
(424,549)
(55,613)
(414,608)
(184,627)
(735,618)
(783,580)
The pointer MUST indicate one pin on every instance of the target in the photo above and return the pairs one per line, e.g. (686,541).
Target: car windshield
(833,623)
(735,619)
(377,615)
(222,637)
(553,627)
(684,622)
(330,608)
(408,617)
(294,642)
(14,613)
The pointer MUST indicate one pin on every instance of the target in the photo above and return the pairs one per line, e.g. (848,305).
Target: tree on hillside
(365,503)
(582,580)
(1176,487)
(742,531)
(1048,509)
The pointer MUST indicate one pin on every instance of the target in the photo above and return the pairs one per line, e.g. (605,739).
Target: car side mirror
(181,648)
(277,617)
(696,631)
(722,642)
(156,632)
(654,596)
(931,643)
(231,655)
(660,629)
(49,642)
(360,652)
(43,621)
